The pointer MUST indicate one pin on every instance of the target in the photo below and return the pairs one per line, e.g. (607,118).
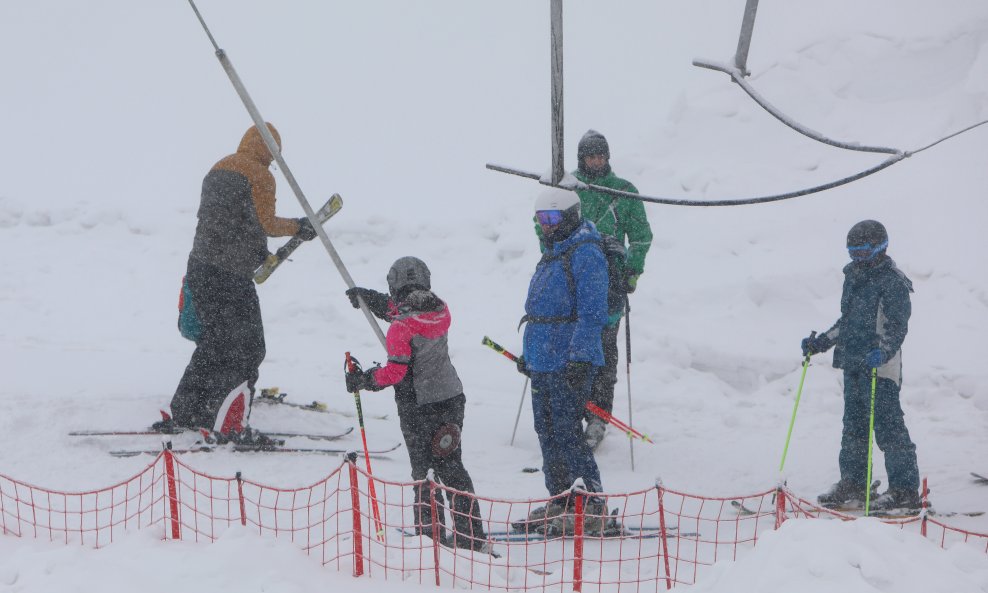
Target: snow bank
(863,556)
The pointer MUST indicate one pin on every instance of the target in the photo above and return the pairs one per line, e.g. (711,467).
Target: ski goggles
(867,251)
(549,217)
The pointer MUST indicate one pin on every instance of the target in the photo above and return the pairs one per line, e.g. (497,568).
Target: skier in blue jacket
(875,309)
(565,311)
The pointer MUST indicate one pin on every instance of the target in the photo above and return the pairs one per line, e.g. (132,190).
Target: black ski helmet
(408,272)
(866,240)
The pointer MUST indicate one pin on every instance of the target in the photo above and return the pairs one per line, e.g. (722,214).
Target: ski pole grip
(806,359)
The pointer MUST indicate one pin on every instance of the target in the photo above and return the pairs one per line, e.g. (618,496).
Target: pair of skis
(264,271)
(274,396)
(210,448)
(624,532)
(210,443)
(148,432)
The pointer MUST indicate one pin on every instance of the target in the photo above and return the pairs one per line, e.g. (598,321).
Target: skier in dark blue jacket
(565,311)
(875,309)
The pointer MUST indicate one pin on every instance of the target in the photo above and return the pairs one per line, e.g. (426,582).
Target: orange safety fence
(649,540)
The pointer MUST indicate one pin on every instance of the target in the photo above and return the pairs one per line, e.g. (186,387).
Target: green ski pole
(795,406)
(871,436)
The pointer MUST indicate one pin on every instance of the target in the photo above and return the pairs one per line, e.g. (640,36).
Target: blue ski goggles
(866,252)
(549,217)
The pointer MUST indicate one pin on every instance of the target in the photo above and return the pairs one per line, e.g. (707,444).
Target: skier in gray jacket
(875,310)
(428,393)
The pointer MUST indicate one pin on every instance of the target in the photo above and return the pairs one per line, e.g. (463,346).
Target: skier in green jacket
(625,220)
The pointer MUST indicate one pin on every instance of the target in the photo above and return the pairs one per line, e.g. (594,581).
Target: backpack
(188,321)
(615,254)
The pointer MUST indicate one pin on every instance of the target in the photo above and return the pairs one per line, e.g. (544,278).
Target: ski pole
(521,404)
(871,436)
(627,355)
(272,146)
(352,367)
(795,405)
(609,418)
(499,349)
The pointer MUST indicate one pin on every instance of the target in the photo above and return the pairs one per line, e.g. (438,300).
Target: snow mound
(851,557)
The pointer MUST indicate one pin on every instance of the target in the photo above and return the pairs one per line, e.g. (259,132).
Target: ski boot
(845,495)
(248,438)
(594,432)
(596,521)
(898,501)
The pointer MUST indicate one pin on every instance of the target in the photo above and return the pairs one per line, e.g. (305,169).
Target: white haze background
(113,111)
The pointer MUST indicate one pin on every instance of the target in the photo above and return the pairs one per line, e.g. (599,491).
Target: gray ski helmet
(408,271)
(866,240)
(593,142)
(867,232)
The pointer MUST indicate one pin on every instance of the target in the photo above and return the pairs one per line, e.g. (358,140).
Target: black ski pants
(602,390)
(230,348)
(419,424)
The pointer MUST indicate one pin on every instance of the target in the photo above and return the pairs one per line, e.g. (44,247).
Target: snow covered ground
(115,110)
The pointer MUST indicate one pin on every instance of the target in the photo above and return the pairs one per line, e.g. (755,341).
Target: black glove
(815,344)
(377,302)
(354,377)
(576,374)
(522,368)
(354,381)
(305,230)
(630,281)
(362,381)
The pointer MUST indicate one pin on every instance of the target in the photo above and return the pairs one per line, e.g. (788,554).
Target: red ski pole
(609,418)
(351,367)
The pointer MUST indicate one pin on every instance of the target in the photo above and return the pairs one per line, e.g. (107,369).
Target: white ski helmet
(553,198)
(408,271)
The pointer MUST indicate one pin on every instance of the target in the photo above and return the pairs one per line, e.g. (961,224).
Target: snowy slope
(115,110)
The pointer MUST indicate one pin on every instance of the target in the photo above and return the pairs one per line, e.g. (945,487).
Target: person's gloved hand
(353,373)
(815,344)
(377,302)
(354,381)
(521,365)
(576,374)
(630,281)
(305,230)
(875,358)
(360,380)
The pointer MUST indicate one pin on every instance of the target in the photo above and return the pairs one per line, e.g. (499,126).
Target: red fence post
(358,536)
(240,495)
(172,491)
(662,530)
(435,525)
(780,506)
(922,528)
(578,545)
